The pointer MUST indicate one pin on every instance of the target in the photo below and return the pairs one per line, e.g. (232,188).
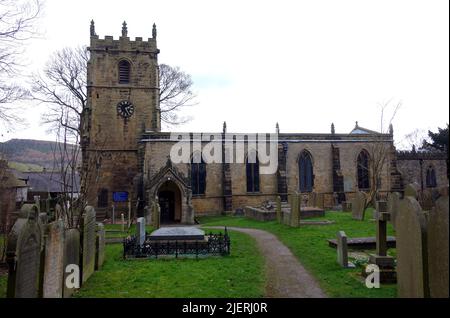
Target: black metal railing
(213,245)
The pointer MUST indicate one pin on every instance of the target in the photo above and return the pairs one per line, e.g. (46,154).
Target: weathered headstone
(88,239)
(148,215)
(278,209)
(156,212)
(411,252)
(438,238)
(426,200)
(54,260)
(71,257)
(295,209)
(358,203)
(393,202)
(342,250)
(412,190)
(23,255)
(100,246)
(140,231)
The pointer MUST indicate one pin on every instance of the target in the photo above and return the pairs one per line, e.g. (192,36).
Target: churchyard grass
(3,282)
(309,244)
(239,275)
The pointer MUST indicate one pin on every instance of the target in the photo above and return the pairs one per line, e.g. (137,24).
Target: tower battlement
(123,43)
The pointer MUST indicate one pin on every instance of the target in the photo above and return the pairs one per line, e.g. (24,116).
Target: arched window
(252,172)
(363,170)
(124,72)
(306,175)
(102,199)
(431,177)
(198,174)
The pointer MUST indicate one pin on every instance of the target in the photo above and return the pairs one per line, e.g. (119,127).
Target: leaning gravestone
(295,209)
(393,202)
(71,257)
(88,241)
(23,255)
(358,204)
(438,248)
(54,261)
(100,246)
(411,253)
(140,231)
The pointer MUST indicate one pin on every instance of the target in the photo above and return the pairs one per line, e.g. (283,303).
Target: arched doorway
(169,197)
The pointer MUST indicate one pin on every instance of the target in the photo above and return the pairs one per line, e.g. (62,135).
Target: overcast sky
(304,64)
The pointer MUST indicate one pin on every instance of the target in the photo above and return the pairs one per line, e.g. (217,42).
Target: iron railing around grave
(213,245)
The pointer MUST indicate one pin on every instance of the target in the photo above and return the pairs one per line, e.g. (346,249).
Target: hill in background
(31,155)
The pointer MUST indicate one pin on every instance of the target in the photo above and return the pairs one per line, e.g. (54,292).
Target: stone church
(128,163)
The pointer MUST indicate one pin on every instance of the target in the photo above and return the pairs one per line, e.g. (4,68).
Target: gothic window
(102,200)
(198,174)
(431,177)
(124,72)
(363,170)
(252,172)
(306,175)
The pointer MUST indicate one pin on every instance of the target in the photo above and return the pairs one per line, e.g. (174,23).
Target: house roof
(49,181)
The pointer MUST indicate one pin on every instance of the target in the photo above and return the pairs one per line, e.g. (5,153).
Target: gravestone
(393,206)
(411,262)
(426,200)
(23,255)
(54,260)
(71,257)
(412,190)
(295,209)
(278,209)
(346,206)
(88,242)
(342,250)
(438,248)
(100,246)
(156,211)
(148,215)
(358,204)
(140,231)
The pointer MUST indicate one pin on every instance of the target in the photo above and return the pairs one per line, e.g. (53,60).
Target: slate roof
(47,181)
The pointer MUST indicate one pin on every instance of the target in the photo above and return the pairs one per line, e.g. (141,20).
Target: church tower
(122,104)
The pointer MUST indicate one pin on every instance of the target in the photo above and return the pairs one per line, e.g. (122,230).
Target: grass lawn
(3,282)
(239,275)
(309,245)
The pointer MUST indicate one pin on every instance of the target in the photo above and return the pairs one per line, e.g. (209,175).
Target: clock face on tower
(125,108)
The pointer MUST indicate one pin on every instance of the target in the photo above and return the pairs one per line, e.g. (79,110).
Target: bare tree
(175,92)
(62,87)
(17,25)
(379,152)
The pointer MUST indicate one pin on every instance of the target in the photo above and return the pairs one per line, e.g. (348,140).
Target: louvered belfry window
(198,175)
(124,72)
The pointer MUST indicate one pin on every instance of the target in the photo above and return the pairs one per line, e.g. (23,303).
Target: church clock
(125,109)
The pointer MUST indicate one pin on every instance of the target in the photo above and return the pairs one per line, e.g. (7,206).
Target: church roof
(358,130)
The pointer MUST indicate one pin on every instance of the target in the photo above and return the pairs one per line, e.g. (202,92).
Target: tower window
(102,200)
(124,72)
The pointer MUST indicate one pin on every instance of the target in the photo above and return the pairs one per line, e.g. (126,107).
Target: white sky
(304,64)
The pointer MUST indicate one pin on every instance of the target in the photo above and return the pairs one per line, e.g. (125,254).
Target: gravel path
(286,277)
